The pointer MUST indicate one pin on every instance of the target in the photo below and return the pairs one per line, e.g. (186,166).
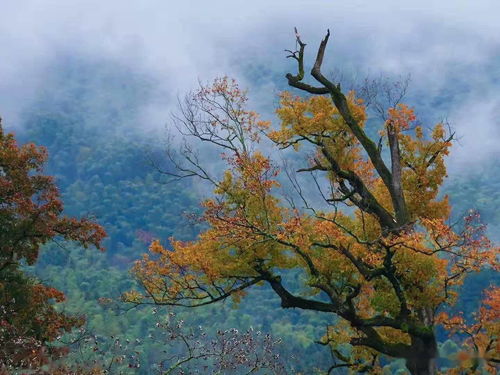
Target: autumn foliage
(379,252)
(481,346)
(31,216)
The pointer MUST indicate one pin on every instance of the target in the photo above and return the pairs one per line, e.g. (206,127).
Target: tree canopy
(379,252)
(31,216)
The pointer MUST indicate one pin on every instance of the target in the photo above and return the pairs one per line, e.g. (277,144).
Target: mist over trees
(379,253)
(89,117)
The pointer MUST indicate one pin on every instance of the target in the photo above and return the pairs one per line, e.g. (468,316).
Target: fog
(451,49)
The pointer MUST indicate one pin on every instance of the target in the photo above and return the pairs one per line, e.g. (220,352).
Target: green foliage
(104,172)
(89,117)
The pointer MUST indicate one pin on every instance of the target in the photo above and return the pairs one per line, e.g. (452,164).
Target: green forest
(114,171)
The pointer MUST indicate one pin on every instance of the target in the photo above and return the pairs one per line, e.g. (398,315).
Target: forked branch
(391,181)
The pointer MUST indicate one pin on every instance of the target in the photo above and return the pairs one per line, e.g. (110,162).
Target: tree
(180,349)
(31,216)
(229,351)
(481,347)
(379,253)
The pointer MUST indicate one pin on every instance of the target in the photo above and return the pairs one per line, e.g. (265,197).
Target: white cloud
(181,42)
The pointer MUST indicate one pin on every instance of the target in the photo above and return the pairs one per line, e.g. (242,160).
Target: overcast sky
(178,42)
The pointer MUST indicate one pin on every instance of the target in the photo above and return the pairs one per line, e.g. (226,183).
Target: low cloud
(451,48)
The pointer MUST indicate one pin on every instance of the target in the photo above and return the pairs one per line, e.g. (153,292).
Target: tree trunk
(422,358)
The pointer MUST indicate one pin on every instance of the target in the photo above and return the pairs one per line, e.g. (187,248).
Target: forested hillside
(100,157)
(88,115)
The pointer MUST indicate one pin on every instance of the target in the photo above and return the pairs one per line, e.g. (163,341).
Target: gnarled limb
(392,183)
